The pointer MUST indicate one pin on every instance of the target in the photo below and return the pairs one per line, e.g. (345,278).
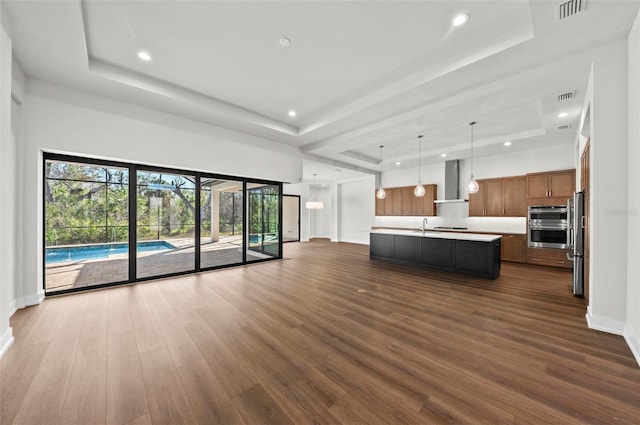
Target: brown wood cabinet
(477,200)
(515,201)
(549,257)
(494,198)
(503,197)
(555,184)
(400,201)
(514,248)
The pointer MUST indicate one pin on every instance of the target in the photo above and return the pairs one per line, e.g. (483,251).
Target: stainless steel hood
(451,183)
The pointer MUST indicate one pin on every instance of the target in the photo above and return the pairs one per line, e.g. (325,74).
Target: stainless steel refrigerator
(576,217)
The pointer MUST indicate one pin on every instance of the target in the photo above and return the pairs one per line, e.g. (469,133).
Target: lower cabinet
(381,245)
(549,257)
(514,248)
(477,258)
(481,259)
(437,252)
(407,248)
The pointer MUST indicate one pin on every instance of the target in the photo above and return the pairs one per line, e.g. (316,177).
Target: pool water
(257,238)
(92,252)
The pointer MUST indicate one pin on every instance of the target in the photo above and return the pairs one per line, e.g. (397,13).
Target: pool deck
(82,274)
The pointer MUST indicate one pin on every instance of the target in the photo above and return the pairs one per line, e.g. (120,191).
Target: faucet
(424,224)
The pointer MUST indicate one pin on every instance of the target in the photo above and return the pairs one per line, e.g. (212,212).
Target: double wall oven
(549,227)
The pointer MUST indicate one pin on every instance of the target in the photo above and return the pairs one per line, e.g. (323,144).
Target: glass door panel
(263,210)
(221,228)
(165,223)
(86,225)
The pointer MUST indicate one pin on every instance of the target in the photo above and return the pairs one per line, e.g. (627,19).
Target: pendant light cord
(381,146)
(472,123)
(419,157)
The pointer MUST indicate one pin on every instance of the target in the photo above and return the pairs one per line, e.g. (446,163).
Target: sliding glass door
(86,225)
(222,223)
(108,223)
(263,209)
(165,223)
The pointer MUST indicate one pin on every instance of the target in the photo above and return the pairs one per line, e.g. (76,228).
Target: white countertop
(441,235)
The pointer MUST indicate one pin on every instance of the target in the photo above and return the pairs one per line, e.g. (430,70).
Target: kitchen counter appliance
(548,227)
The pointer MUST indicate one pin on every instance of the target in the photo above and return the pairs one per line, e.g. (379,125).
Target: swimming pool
(257,238)
(93,252)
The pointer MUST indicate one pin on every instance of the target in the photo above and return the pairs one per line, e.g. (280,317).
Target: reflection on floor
(155,263)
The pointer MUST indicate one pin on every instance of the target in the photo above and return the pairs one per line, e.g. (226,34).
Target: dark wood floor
(324,337)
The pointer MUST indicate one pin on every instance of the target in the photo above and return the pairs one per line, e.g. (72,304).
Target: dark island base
(473,258)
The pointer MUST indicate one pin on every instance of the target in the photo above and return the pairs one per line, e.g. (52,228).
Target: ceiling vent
(564,127)
(566,96)
(570,8)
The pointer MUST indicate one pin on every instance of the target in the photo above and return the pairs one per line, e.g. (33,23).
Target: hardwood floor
(325,336)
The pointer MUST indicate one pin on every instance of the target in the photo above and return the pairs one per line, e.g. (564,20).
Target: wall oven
(549,227)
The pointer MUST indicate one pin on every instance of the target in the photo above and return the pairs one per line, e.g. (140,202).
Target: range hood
(451,183)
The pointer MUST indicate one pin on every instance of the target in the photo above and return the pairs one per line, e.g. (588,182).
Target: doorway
(290,218)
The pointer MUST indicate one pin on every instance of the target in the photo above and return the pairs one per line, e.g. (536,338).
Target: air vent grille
(570,8)
(566,96)
(564,127)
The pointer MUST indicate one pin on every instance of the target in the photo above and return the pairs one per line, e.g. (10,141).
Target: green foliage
(90,204)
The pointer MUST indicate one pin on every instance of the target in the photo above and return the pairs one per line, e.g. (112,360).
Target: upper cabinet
(555,184)
(401,202)
(515,202)
(503,197)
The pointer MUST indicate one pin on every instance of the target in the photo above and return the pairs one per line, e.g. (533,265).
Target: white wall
(7,190)
(321,221)
(606,98)
(58,119)
(508,164)
(357,210)
(632,326)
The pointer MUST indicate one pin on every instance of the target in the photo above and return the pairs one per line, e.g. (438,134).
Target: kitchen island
(472,254)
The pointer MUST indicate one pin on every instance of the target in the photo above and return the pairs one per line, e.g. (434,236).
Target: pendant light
(381,194)
(418,191)
(311,204)
(472,186)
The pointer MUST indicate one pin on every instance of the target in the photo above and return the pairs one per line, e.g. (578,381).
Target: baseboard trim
(633,341)
(27,300)
(604,324)
(34,299)
(5,341)
(14,305)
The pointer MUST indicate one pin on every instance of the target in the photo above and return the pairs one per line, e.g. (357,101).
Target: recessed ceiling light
(284,41)
(507,143)
(460,19)
(144,55)
(292,113)
(443,155)
(398,163)
(563,114)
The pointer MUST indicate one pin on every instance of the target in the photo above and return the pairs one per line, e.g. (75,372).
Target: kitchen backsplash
(457,215)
